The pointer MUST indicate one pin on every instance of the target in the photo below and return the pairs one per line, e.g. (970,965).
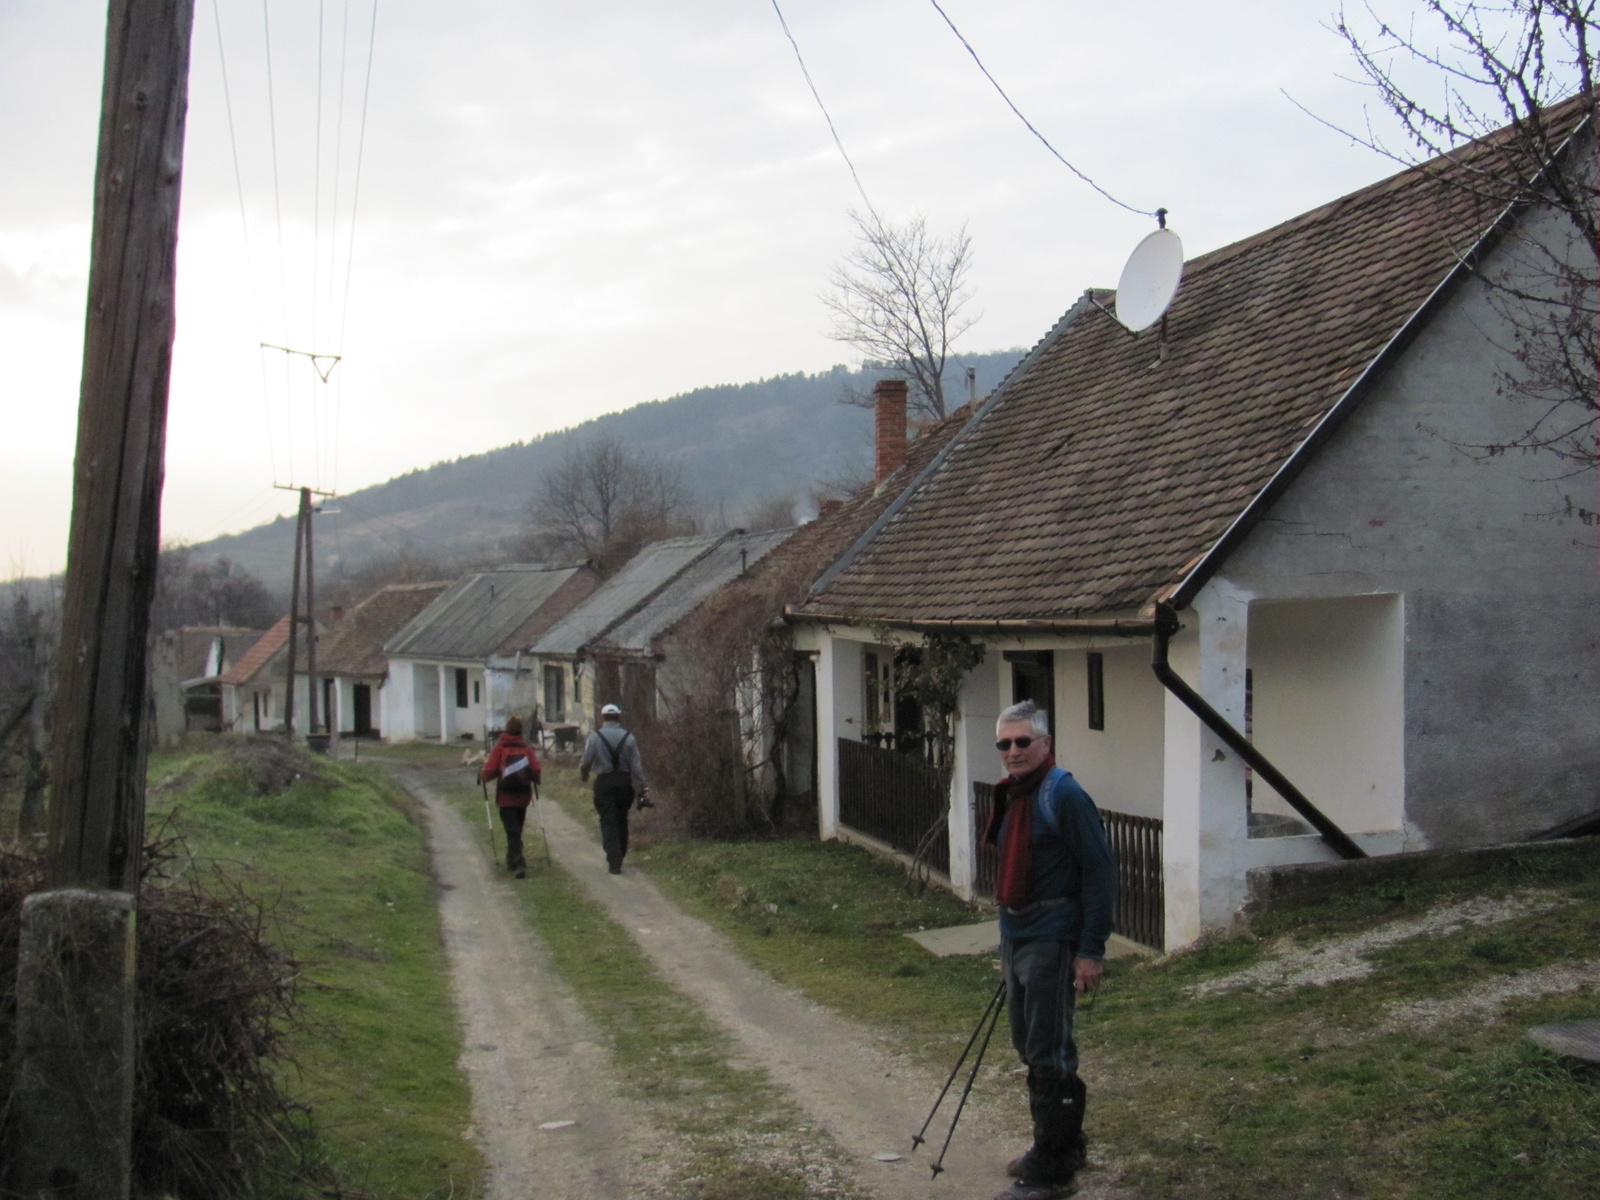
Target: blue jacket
(1074,877)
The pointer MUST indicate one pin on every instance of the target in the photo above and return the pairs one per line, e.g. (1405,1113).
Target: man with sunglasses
(1056,885)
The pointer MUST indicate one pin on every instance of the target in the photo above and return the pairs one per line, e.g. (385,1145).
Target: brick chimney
(889,427)
(829,506)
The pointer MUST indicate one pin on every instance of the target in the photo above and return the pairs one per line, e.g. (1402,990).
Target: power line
(355,193)
(1143,212)
(815,95)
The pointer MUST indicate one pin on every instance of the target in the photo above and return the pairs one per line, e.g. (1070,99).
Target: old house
(254,690)
(351,665)
(606,649)
(441,683)
(186,666)
(1284,495)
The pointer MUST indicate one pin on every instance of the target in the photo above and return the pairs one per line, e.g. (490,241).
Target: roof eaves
(1183,594)
(842,563)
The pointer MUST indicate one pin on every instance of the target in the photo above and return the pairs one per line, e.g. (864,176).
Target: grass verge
(735,1135)
(336,851)
(1314,1091)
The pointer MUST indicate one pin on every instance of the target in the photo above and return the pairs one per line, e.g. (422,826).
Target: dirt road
(529,1053)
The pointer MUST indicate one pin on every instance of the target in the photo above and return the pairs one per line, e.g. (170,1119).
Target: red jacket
(506,751)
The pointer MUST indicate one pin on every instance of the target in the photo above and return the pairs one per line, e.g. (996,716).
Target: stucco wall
(1330,706)
(1498,576)
(1120,765)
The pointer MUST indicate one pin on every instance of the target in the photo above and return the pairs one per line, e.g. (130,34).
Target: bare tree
(898,297)
(603,502)
(1490,93)
(199,593)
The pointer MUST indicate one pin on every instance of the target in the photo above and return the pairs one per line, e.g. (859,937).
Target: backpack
(517,774)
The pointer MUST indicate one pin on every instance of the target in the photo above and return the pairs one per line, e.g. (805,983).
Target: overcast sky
(566,209)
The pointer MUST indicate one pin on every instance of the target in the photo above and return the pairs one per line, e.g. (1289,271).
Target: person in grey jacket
(612,755)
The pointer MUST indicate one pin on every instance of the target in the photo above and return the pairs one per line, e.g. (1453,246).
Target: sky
(530,212)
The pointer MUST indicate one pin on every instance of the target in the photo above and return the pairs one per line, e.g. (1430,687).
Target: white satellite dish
(1150,280)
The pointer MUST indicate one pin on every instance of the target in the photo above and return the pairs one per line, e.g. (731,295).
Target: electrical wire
(815,95)
(355,193)
(1143,212)
(277,207)
(244,226)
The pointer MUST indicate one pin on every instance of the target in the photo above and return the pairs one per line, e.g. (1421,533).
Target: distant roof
(728,559)
(353,645)
(480,614)
(259,654)
(639,600)
(193,643)
(1108,465)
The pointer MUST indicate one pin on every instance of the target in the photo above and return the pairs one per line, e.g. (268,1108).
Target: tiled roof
(481,614)
(192,647)
(354,643)
(1108,464)
(260,654)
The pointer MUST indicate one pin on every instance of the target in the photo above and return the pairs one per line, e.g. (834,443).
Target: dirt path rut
(528,1051)
(838,1072)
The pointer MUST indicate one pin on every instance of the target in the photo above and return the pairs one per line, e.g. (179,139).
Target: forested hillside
(736,445)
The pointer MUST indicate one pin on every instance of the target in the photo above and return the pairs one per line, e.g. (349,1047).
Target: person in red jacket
(515,769)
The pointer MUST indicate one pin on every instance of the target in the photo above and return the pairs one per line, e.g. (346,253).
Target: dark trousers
(1041,999)
(613,798)
(513,818)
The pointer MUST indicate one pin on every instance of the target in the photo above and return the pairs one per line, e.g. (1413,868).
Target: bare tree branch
(899,297)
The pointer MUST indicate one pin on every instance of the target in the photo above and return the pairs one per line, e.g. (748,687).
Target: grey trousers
(1040,999)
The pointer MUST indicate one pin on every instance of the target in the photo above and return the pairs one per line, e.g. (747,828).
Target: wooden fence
(1135,844)
(893,797)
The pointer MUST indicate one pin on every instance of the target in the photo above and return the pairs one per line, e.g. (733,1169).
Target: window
(1033,677)
(877,699)
(555,694)
(461,687)
(1097,690)
(477,696)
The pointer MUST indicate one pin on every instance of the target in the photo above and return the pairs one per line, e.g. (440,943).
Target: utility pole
(72,1103)
(304,557)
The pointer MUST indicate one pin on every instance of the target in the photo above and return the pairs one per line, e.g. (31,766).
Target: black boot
(1059,1150)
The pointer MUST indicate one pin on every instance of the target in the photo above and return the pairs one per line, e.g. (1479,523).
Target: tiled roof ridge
(1432,170)
(408,587)
(260,654)
(990,403)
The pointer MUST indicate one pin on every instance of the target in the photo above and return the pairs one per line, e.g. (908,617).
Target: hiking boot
(1029,1189)
(1033,1164)
(615,868)
(520,873)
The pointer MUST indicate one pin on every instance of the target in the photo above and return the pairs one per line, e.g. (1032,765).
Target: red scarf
(1010,829)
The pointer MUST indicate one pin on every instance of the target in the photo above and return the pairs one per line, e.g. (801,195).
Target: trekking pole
(488,819)
(917,1139)
(938,1163)
(538,811)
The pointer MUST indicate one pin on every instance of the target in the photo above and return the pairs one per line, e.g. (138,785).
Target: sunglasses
(1021,743)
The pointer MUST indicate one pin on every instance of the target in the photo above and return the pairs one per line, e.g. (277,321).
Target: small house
(351,664)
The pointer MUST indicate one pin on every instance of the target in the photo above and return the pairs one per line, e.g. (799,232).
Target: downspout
(1166,626)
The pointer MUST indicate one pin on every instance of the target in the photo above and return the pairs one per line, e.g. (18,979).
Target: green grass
(338,856)
(736,1135)
(1246,1094)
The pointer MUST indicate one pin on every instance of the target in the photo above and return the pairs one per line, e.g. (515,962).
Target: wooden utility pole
(304,558)
(72,1104)
(302,520)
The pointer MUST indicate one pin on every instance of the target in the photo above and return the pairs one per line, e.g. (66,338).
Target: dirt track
(548,1064)
(529,1053)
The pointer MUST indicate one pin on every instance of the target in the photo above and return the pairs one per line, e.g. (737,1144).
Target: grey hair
(1027,711)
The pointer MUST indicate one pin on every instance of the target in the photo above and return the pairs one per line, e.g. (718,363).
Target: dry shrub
(216,1002)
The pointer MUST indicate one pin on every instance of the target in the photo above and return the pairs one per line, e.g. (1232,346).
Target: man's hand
(1086,974)
(583,776)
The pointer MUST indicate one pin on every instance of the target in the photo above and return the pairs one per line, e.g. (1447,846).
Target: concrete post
(827,742)
(447,703)
(1203,796)
(974,762)
(72,1104)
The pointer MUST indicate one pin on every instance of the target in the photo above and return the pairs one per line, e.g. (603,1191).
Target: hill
(735,444)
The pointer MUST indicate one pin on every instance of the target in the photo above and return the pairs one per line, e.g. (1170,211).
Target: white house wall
(1119,766)
(1497,571)
(1329,706)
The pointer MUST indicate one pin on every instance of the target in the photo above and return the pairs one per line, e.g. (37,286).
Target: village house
(606,649)
(1267,534)
(255,688)
(186,666)
(351,664)
(440,683)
